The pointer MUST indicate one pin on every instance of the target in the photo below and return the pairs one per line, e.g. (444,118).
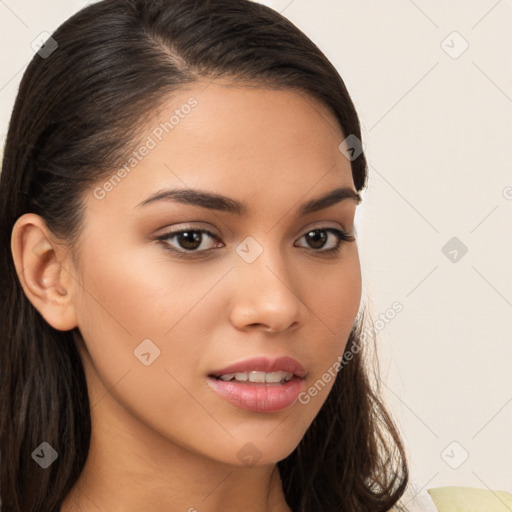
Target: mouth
(255,377)
(260,384)
(261,369)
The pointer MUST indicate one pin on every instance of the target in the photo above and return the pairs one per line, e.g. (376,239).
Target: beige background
(438,135)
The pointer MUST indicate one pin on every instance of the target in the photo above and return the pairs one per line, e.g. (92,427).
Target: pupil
(317,235)
(190,237)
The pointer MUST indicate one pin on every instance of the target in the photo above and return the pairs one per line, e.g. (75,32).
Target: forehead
(237,140)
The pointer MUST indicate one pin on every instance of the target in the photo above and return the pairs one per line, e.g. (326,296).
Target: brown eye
(190,242)
(187,241)
(317,239)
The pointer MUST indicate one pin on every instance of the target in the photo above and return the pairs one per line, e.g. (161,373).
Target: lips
(262,395)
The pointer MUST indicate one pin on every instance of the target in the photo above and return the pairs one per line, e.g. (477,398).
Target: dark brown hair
(75,116)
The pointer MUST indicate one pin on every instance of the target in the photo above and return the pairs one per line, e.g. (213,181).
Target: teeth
(256,376)
(259,377)
(227,377)
(277,376)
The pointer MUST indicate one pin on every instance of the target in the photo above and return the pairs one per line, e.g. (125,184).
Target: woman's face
(161,313)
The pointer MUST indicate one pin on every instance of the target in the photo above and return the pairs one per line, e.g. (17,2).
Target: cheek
(334,307)
(127,300)
(138,291)
(336,295)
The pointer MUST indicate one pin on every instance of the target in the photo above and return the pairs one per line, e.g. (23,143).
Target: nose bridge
(266,292)
(263,261)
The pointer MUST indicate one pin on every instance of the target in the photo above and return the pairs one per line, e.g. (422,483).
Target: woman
(181,320)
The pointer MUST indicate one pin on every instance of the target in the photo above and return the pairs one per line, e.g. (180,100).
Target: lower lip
(259,397)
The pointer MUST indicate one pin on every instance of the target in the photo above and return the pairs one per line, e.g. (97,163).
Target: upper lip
(263,364)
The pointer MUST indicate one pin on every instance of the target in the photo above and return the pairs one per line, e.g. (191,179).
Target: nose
(265,296)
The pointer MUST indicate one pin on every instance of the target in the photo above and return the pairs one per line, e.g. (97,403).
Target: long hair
(80,105)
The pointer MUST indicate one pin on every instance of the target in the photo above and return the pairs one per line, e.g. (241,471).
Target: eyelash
(342,237)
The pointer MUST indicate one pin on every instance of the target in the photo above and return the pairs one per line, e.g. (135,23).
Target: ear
(45,271)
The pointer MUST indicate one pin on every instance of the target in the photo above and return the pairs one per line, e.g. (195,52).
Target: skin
(162,439)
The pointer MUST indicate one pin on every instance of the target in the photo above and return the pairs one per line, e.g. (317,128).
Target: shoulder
(454,499)
(462,499)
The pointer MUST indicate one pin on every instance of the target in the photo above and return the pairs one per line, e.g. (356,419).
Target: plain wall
(437,132)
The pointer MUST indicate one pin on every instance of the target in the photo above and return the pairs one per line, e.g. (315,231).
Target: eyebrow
(221,203)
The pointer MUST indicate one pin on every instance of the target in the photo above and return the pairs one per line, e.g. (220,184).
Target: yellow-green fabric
(470,499)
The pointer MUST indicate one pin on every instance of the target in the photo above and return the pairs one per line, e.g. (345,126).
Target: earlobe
(41,265)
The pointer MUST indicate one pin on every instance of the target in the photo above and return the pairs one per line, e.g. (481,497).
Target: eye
(319,237)
(190,241)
